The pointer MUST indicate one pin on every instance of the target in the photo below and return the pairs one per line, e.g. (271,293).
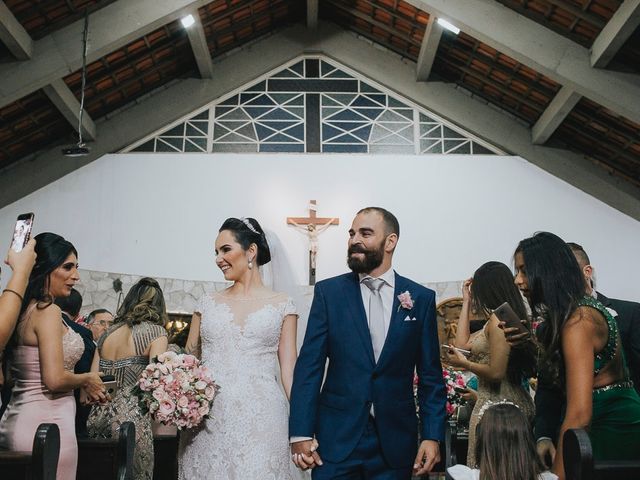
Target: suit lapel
(395,322)
(356,307)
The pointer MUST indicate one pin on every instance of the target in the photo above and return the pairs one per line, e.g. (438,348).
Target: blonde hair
(144,303)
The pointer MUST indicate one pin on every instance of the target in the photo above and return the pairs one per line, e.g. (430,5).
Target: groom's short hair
(390,221)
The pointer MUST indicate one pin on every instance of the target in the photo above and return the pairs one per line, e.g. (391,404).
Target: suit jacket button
(375,375)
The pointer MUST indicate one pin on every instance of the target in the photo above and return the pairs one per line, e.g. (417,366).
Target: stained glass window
(314,105)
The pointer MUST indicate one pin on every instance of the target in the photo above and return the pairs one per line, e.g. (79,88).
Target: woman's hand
(456,359)
(94,388)
(470,395)
(466,290)
(24,260)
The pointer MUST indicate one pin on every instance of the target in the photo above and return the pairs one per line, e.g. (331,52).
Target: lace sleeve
(289,308)
(199,308)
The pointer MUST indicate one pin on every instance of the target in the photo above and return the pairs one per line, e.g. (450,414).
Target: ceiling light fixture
(449,26)
(80,150)
(188,21)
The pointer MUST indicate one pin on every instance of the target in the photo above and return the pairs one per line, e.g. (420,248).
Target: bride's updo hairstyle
(247,231)
(143,303)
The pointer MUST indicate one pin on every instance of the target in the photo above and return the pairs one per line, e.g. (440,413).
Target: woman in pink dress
(42,355)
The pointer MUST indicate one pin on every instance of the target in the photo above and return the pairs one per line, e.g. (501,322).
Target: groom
(375,327)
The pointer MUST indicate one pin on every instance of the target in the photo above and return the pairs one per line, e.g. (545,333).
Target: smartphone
(506,314)
(461,389)
(446,347)
(110,385)
(22,231)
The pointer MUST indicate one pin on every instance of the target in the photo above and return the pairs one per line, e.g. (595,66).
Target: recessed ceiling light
(444,24)
(188,21)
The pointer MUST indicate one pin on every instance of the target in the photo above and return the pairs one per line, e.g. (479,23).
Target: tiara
(249,226)
(488,404)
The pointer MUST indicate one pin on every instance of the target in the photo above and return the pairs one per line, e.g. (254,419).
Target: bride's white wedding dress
(246,436)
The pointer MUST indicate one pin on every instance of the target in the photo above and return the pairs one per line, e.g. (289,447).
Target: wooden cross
(312,226)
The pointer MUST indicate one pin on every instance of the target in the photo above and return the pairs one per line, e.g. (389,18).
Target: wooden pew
(41,463)
(107,459)
(579,463)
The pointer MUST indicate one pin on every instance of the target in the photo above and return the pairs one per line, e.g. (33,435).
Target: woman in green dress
(581,337)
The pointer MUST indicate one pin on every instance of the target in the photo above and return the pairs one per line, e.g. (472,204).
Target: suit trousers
(366,462)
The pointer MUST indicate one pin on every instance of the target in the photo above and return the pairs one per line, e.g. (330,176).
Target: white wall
(158,214)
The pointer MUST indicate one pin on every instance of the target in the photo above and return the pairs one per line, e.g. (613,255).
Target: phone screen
(22,231)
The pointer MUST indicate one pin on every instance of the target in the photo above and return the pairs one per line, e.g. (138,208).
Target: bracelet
(15,293)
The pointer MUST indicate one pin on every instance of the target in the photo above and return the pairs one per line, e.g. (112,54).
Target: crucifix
(312,226)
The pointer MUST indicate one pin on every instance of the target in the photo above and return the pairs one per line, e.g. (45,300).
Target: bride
(243,333)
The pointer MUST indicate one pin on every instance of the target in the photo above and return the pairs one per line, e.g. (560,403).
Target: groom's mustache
(356,249)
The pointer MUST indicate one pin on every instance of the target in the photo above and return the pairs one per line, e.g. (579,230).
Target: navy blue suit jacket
(337,330)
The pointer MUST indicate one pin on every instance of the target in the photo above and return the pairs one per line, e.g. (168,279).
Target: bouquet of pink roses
(177,390)
(452,378)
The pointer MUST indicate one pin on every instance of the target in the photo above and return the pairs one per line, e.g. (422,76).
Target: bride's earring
(250,264)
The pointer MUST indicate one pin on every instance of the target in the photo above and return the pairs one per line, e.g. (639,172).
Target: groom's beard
(372,258)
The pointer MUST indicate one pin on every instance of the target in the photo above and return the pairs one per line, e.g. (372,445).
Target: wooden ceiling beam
(198,41)
(535,46)
(313,9)
(13,34)
(554,115)
(428,49)
(615,33)
(66,102)
(60,53)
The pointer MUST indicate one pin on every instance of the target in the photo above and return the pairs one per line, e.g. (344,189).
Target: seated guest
(500,370)
(580,337)
(42,355)
(137,335)
(70,307)
(504,447)
(99,322)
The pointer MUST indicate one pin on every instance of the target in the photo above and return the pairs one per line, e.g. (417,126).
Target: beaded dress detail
(104,421)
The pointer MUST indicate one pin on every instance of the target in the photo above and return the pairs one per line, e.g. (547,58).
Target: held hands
(428,455)
(304,455)
(24,260)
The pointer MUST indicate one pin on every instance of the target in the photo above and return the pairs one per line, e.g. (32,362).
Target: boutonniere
(406,301)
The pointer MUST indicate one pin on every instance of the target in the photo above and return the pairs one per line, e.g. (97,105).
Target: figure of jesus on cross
(312,226)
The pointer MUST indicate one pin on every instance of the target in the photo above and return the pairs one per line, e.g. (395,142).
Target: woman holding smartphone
(42,355)
(137,334)
(580,341)
(500,371)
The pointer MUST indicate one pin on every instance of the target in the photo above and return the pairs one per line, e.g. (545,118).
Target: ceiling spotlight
(444,24)
(188,21)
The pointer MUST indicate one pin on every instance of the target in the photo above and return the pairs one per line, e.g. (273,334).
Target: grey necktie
(376,315)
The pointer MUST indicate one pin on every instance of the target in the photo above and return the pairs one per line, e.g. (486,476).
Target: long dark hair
(52,251)
(556,284)
(492,286)
(245,236)
(505,449)
(144,303)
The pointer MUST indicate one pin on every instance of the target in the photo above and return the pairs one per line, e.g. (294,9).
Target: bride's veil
(278,273)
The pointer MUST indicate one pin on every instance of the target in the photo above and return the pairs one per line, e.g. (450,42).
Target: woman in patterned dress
(137,335)
(500,370)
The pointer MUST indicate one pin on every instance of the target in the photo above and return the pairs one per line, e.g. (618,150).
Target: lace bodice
(72,348)
(246,435)
(241,336)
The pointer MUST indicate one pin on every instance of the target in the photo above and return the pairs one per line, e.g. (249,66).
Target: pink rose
(183,402)
(189,361)
(406,301)
(166,407)
(200,385)
(209,393)
(203,410)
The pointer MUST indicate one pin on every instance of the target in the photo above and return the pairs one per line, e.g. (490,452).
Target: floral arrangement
(452,378)
(177,390)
